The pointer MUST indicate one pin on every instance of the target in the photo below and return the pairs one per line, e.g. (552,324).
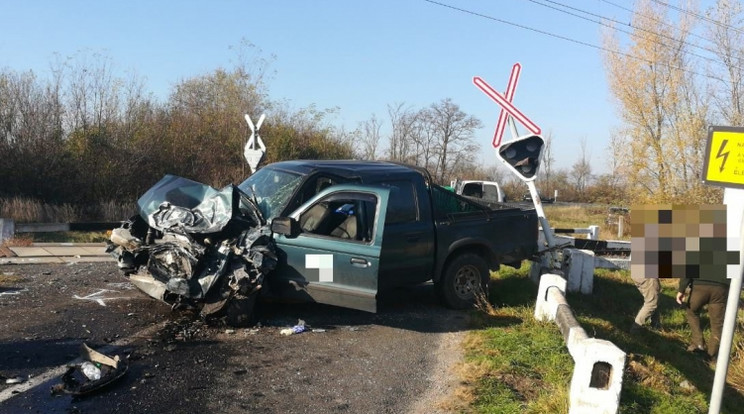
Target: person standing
(710,291)
(649,288)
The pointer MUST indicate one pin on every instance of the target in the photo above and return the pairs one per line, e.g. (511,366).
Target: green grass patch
(514,364)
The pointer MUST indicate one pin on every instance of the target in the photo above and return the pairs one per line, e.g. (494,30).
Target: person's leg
(716,313)
(698,298)
(649,289)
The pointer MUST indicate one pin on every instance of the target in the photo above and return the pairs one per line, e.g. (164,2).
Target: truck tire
(465,277)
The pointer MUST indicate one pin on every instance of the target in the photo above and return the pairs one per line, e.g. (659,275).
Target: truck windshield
(271,188)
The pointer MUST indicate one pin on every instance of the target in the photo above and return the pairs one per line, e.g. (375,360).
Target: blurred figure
(710,291)
(649,288)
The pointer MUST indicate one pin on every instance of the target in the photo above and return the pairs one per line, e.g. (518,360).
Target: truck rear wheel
(465,277)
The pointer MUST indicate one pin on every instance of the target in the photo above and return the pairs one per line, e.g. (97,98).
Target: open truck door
(329,248)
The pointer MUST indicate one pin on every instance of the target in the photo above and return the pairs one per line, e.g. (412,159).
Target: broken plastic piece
(96,371)
(299,328)
(15,380)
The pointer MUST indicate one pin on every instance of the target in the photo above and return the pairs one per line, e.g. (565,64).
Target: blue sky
(359,56)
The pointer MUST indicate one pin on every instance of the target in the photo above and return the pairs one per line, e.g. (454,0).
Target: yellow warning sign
(724,157)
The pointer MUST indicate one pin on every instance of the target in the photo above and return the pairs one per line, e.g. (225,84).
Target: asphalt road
(396,361)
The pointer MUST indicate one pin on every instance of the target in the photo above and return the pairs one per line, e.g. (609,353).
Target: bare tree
(454,131)
(547,160)
(370,137)
(581,170)
(401,146)
(728,38)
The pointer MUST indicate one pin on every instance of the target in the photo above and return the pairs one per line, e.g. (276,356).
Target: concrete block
(597,379)
(545,309)
(7,229)
(579,266)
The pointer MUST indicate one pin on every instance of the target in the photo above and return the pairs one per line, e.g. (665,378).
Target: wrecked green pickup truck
(334,232)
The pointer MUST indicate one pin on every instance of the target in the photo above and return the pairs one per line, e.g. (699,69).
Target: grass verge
(514,364)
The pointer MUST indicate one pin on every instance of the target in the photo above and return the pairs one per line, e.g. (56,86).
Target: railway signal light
(522,155)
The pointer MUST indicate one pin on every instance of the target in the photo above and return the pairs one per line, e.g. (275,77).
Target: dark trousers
(715,297)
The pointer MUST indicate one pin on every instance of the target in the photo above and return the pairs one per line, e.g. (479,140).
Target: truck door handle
(355,261)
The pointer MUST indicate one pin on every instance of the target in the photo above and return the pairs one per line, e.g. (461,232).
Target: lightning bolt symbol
(722,154)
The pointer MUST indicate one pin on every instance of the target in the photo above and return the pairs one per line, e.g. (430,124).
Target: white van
(487,190)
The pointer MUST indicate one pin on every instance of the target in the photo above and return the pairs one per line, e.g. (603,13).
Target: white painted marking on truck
(324,264)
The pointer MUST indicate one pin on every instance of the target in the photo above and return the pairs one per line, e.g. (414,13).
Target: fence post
(594,232)
(620,227)
(7,229)
(579,267)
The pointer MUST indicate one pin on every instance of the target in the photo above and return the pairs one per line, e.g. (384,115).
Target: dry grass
(18,241)
(483,304)
(10,279)
(582,217)
(28,210)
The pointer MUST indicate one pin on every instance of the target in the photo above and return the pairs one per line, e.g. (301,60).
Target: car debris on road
(96,371)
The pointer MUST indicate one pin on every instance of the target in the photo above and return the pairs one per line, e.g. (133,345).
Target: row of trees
(85,136)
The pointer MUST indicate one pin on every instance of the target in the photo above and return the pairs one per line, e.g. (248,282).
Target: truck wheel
(465,277)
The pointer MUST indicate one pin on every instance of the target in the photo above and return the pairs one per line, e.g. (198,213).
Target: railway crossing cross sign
(507,108)
(252,154)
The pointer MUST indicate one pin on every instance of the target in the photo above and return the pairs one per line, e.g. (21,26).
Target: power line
(650,18)
(601,23)
(568,39)
(699,16)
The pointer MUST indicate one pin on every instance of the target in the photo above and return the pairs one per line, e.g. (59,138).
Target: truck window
(402,207)
(446,202)
(472,190)
(348,216)
(490,192)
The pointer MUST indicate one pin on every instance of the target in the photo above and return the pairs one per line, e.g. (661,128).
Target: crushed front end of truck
(196,247)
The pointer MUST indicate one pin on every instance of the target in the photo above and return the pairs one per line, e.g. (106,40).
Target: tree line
(85,136)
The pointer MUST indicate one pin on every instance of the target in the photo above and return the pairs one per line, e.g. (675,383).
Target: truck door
(336,257)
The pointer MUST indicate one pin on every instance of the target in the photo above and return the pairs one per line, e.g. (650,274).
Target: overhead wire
(699,16)
(568,39)
(601,23)
(619,6)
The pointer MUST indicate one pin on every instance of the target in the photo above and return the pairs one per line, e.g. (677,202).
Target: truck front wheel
(465,278)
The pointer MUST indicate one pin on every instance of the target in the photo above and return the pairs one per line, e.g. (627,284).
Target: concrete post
(593,233)
(579,266)
(545,309)
(620,227)
(597,379)
(598,371)
(7,229)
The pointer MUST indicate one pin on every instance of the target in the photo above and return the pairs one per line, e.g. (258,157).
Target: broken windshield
(272,189)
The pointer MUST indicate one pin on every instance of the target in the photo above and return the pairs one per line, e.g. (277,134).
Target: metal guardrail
(592,232)
(8,227)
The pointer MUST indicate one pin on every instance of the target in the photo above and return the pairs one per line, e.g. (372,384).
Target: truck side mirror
(285,226)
